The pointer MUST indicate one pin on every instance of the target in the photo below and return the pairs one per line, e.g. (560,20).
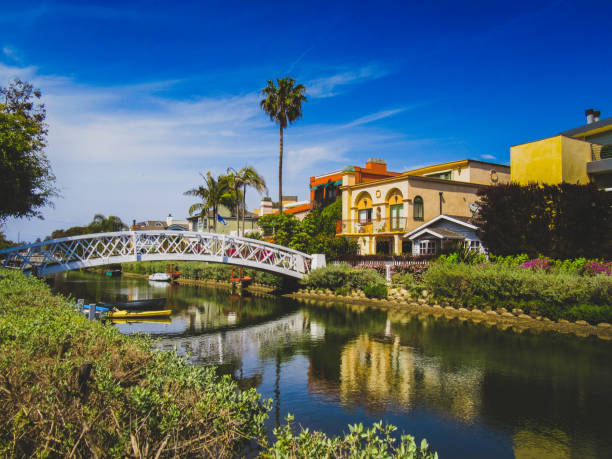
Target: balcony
(376,226)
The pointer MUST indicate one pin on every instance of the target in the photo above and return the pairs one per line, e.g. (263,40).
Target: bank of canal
(471,390)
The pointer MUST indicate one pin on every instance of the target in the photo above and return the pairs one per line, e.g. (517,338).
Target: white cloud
(127,151)
(489,157)
(330,86)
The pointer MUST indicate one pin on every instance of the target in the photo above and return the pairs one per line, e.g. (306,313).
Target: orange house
(324,189)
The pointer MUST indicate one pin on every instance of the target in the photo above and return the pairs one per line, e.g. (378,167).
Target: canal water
(471,390)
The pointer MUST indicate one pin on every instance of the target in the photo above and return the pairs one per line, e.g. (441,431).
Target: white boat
(160,277)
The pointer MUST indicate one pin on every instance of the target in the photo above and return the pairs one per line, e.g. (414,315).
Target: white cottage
(430,237)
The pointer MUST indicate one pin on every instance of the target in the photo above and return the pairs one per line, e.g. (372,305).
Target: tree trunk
(244,208)
(280,174)
(214,219)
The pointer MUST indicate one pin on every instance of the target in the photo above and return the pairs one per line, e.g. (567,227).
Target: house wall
(575,155)
(539,161)
(488,174)
(381,194)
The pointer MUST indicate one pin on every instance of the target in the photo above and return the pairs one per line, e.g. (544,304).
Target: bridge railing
(75,252)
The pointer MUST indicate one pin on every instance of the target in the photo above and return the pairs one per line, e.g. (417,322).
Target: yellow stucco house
(581,155)
(378,214)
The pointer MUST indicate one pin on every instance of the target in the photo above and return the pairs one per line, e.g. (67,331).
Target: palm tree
(284,105)
(213,193)
(234,180)
(250,178)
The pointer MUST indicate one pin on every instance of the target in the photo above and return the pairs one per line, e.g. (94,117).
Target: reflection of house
(580,155)
(443,230)
(378,213)
(205,223)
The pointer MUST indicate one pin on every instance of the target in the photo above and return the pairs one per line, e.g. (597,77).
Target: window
(418,208)
(365,215)
(396,217)
(473,245)
(427,247)
(441,175)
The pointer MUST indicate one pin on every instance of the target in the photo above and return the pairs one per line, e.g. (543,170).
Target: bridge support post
(318,261)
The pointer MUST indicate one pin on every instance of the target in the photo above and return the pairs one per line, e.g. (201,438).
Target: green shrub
(342,275)
(360,442)
(503,285)
(409,282)
(375,291)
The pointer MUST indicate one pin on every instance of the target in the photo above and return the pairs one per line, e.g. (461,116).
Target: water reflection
(472,391)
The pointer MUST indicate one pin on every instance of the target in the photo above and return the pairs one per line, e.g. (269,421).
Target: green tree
(250,179)
(26,179)
(214,193)
(283,104)
(101,224)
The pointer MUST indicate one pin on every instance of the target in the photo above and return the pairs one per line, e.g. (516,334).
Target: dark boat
(136,305)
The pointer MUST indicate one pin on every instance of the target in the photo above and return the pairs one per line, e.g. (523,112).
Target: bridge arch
(66,254)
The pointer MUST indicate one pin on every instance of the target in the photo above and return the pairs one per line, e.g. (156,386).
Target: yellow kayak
(147,320)
(137,314)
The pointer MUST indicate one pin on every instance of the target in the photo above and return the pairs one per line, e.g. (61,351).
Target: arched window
(418,208)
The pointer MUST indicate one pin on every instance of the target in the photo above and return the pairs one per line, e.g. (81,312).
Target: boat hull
(135,315)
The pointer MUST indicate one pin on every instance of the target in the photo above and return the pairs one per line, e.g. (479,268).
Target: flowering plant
(537,264)
(593,268)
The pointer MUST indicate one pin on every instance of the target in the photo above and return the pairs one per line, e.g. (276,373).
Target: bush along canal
(473,390)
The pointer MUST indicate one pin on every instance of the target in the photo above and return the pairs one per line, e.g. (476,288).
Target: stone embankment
(515,320)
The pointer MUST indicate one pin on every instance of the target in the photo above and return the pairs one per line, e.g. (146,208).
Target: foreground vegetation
(69,387)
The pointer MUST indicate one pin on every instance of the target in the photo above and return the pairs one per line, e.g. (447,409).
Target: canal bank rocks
(402,302)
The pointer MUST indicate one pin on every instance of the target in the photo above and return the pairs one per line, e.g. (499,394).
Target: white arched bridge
(65,254)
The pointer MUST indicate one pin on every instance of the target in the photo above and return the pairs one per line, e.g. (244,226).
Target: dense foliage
(342,276)
(27,182)
(75,388)
(360,442)
(559,221)
(99,224)
(316,233)
(555,293)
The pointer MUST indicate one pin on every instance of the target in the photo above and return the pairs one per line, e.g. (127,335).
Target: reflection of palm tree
(277,390)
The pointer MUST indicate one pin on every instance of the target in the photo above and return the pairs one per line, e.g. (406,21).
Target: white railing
(89,250)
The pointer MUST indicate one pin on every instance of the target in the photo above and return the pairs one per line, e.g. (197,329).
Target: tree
(250,178)
(26,179)
(559,221)
(213,193)
(283,104)
(99,224)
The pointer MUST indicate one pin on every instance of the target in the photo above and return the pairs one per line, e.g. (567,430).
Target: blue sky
(142,96)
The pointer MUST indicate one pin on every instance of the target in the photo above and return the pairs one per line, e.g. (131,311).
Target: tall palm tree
(213,193)
(250,178)
(284,105)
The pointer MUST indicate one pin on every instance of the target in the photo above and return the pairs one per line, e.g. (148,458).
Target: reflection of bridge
(222,346)
(77,252)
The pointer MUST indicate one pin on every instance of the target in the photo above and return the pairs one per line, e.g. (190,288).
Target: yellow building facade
(582,155)
(379,213)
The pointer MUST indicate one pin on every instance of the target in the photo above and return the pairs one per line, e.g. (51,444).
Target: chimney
(596,115)
(590,115)
(169,220)
(376,165)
